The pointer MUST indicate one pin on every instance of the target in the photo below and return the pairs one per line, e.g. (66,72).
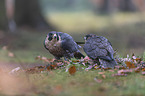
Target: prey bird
(62,45)
(99,49)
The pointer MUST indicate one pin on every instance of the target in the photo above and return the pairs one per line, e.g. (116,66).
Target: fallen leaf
(35,69)
(101,72)
(120,67)
(102,89)
(124,71)
(72,70)
(10,54)
(98,80)
(103,76)
(86,58)
(75,61)
(107,68)
(57,89)
(118,74)
(97,67)
(50,67)
(129,64)
(14,70)
(51,60)
(137,60)
(143,73)
(4,47)
(143,69)
(38,57)
(137,70)
(111,70)
(44,59)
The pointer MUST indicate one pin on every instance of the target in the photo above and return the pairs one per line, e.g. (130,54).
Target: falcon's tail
(78,55)
(107,64)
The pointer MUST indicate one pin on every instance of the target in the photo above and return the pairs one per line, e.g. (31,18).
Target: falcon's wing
(91,49)
(99,47)
(68,43)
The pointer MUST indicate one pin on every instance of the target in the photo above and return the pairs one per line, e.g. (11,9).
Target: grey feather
(98,47)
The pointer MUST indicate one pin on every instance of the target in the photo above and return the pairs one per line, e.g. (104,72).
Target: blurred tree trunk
(70,3)
(127,5)
(109,6)
(28,13)
(105,6)
(3,20)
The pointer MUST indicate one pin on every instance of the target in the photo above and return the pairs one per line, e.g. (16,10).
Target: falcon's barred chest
(54,47)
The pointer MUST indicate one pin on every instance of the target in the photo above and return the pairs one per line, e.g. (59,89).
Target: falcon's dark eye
(50,36)
(57,37)
(87,36)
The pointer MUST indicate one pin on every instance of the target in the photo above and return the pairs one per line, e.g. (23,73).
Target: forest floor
(22,48)
(60,83)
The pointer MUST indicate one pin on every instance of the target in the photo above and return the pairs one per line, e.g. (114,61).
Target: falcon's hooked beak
(85,38)
(54,36)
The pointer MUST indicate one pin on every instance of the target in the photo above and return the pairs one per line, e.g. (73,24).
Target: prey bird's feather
(100,49)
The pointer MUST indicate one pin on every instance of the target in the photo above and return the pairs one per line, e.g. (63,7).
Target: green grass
(61,83)
(23,56)
(82,22)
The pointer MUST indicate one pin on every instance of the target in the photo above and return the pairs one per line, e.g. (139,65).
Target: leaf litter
(125,66)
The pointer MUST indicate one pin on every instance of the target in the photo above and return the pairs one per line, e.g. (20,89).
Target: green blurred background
(25,23)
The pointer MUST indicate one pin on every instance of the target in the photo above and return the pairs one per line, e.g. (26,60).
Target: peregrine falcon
(62,45)
(99,49)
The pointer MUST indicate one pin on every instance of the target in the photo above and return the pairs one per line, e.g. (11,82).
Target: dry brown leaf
(52,67)
(38,57)
(10,54)
(118,75)
(98,80)
(143,73)
(120,67)
(124,71)
(129,64)
(135,59)
(138,60)
(4,47)
(107,68)
(137,70)
(35,69)
(51,60)
(143,69)
(101,72)
(111,70)
(75,61)
(44,59)
(72,70)
(57,89)
(86,58)
(103,76)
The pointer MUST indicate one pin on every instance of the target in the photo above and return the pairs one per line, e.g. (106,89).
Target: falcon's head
(53,36)
(89,36)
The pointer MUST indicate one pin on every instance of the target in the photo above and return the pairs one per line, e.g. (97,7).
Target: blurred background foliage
(25,23)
